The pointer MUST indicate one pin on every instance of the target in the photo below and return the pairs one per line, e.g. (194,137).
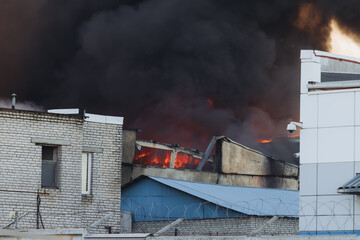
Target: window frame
(54,161)
(88,173)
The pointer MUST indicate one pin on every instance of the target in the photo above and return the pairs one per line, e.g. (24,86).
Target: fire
(161,158)
(152,157)
(184,160)
(265,140)
(142,155)
(342,43)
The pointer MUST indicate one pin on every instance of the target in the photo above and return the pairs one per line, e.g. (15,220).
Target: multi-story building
(60,169)
(329,143)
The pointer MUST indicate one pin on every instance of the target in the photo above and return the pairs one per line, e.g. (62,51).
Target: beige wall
(241,160)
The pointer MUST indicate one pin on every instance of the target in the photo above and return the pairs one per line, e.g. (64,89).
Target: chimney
(13,100)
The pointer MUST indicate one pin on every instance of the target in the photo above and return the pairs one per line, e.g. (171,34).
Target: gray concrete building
(60,169)
(224,162)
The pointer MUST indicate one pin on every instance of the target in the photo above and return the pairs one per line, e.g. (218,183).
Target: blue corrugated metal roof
(248,200)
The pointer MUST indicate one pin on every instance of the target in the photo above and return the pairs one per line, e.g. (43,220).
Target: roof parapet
(90,117)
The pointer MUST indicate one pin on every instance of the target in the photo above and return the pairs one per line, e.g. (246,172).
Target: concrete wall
(43,234)
(241,160)
(129,142)
(221,227)
(20,169)
(329,152)
(290,183)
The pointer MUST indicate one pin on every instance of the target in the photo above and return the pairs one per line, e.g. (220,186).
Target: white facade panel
(356,168)
(333,175)
(335,144)
(335,223)
(308,179)
(336,109)
(357,222)
(357,206)
(308,146)
(357,143)
(307,206)
(357,108)
(307,223)
(329,205)
(308,110)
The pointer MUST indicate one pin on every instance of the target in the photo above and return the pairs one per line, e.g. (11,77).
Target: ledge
(92,149)
(50,141)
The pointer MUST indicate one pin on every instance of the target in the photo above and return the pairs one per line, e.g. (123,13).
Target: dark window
(49,166)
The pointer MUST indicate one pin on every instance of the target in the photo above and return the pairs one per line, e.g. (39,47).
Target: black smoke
(182,71)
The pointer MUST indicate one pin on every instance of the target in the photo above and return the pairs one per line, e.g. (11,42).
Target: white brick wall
(222,227)
(20,170)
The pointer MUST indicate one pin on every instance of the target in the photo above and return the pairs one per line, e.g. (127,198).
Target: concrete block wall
(20,170)
(221,226)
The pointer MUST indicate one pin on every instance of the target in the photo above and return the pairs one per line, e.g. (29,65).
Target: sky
(182,71)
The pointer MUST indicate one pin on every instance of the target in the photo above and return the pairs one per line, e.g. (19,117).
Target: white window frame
(89,161)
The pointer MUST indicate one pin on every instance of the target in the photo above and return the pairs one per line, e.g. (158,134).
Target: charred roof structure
(224,162)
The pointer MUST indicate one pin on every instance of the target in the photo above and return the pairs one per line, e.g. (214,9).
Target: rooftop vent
(13,100)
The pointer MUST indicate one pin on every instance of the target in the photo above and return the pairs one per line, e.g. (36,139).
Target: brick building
(61,168)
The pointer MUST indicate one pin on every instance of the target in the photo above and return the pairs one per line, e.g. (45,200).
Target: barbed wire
(154,210)
(313,215)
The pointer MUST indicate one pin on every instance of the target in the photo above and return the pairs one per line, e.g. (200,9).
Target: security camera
(297,155)
(291,127)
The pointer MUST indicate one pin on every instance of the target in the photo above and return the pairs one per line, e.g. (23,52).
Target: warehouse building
(224,162)
(208,209)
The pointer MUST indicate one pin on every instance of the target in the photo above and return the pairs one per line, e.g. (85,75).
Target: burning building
(224,162)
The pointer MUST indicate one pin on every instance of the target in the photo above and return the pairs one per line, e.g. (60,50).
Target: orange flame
(184,160)
(341,42)
(142,155)
(161,158)
(265,140)
(152,157)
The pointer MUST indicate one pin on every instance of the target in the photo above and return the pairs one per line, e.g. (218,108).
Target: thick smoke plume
(182,71)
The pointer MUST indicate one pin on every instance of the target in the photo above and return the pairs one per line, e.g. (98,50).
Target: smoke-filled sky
(182,71)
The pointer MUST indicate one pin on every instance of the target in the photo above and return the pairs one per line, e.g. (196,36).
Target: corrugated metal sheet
(352,186)
(150,200)
(251,201)
(154,198)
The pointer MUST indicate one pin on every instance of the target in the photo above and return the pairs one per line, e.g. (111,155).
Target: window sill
(50,187)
